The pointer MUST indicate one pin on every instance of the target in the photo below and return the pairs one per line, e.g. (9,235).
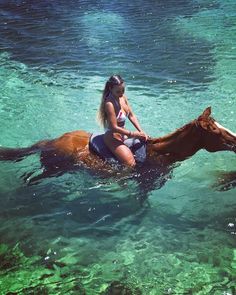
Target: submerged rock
(10,258)
(118,288)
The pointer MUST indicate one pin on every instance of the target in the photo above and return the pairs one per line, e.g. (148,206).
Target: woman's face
(118,90)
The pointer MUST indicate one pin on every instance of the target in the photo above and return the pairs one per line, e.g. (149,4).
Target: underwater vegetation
(203,273)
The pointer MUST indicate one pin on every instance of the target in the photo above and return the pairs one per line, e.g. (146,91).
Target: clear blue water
(77,231)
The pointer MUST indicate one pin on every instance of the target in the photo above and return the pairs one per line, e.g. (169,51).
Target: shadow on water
(95,205)
(78,202)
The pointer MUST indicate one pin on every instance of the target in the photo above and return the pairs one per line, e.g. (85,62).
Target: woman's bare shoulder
(108,102)
(109,105)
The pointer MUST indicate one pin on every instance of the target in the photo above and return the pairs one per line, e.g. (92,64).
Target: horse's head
(214,136)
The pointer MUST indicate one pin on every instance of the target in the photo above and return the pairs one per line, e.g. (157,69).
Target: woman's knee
(125,156)
(130,162)
(121,151)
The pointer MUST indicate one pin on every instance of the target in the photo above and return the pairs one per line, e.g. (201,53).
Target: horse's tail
(17,154)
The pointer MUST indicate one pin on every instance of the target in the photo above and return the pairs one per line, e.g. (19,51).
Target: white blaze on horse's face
(225,129)
(226,137)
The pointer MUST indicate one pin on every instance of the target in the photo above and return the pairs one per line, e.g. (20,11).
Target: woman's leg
(119,149)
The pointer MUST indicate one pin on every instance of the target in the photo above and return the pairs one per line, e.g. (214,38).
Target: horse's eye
(215,129)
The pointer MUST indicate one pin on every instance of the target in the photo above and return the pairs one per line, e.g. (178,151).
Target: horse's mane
(172,134)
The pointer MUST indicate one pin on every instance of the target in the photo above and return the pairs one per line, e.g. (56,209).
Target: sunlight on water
(102,30)
(78,233)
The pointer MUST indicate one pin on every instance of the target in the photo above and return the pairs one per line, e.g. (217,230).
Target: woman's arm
(133,119)
(111,117)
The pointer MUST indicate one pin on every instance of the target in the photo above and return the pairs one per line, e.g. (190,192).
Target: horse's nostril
(231,147)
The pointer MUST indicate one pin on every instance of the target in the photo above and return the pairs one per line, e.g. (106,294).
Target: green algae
(152,260)
(20,274)
(11,258)
(143,258)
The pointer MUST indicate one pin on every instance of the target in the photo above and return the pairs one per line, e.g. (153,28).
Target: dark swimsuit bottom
(98,146)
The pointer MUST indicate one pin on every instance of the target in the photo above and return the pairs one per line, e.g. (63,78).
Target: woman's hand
(140,135)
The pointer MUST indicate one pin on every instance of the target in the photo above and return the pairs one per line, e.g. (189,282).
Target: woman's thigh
(120,150)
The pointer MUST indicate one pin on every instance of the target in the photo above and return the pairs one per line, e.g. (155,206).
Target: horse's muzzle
(230,147)
(234,148)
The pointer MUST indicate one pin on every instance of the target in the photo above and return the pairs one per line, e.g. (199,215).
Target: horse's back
(71,142)
(66,148)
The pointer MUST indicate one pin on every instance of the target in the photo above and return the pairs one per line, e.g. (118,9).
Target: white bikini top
(121,116)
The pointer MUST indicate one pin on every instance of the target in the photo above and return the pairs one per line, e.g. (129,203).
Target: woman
(114,110)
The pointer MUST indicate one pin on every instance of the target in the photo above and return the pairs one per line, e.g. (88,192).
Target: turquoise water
(77,233)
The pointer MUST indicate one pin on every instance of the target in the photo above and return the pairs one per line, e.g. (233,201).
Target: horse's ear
(208,123)
(206,113)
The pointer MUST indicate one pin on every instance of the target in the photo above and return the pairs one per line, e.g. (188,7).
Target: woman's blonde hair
(113,80)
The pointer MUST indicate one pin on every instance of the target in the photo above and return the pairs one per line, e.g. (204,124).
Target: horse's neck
(182,143)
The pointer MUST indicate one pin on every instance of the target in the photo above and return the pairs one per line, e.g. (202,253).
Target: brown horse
(72,148)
